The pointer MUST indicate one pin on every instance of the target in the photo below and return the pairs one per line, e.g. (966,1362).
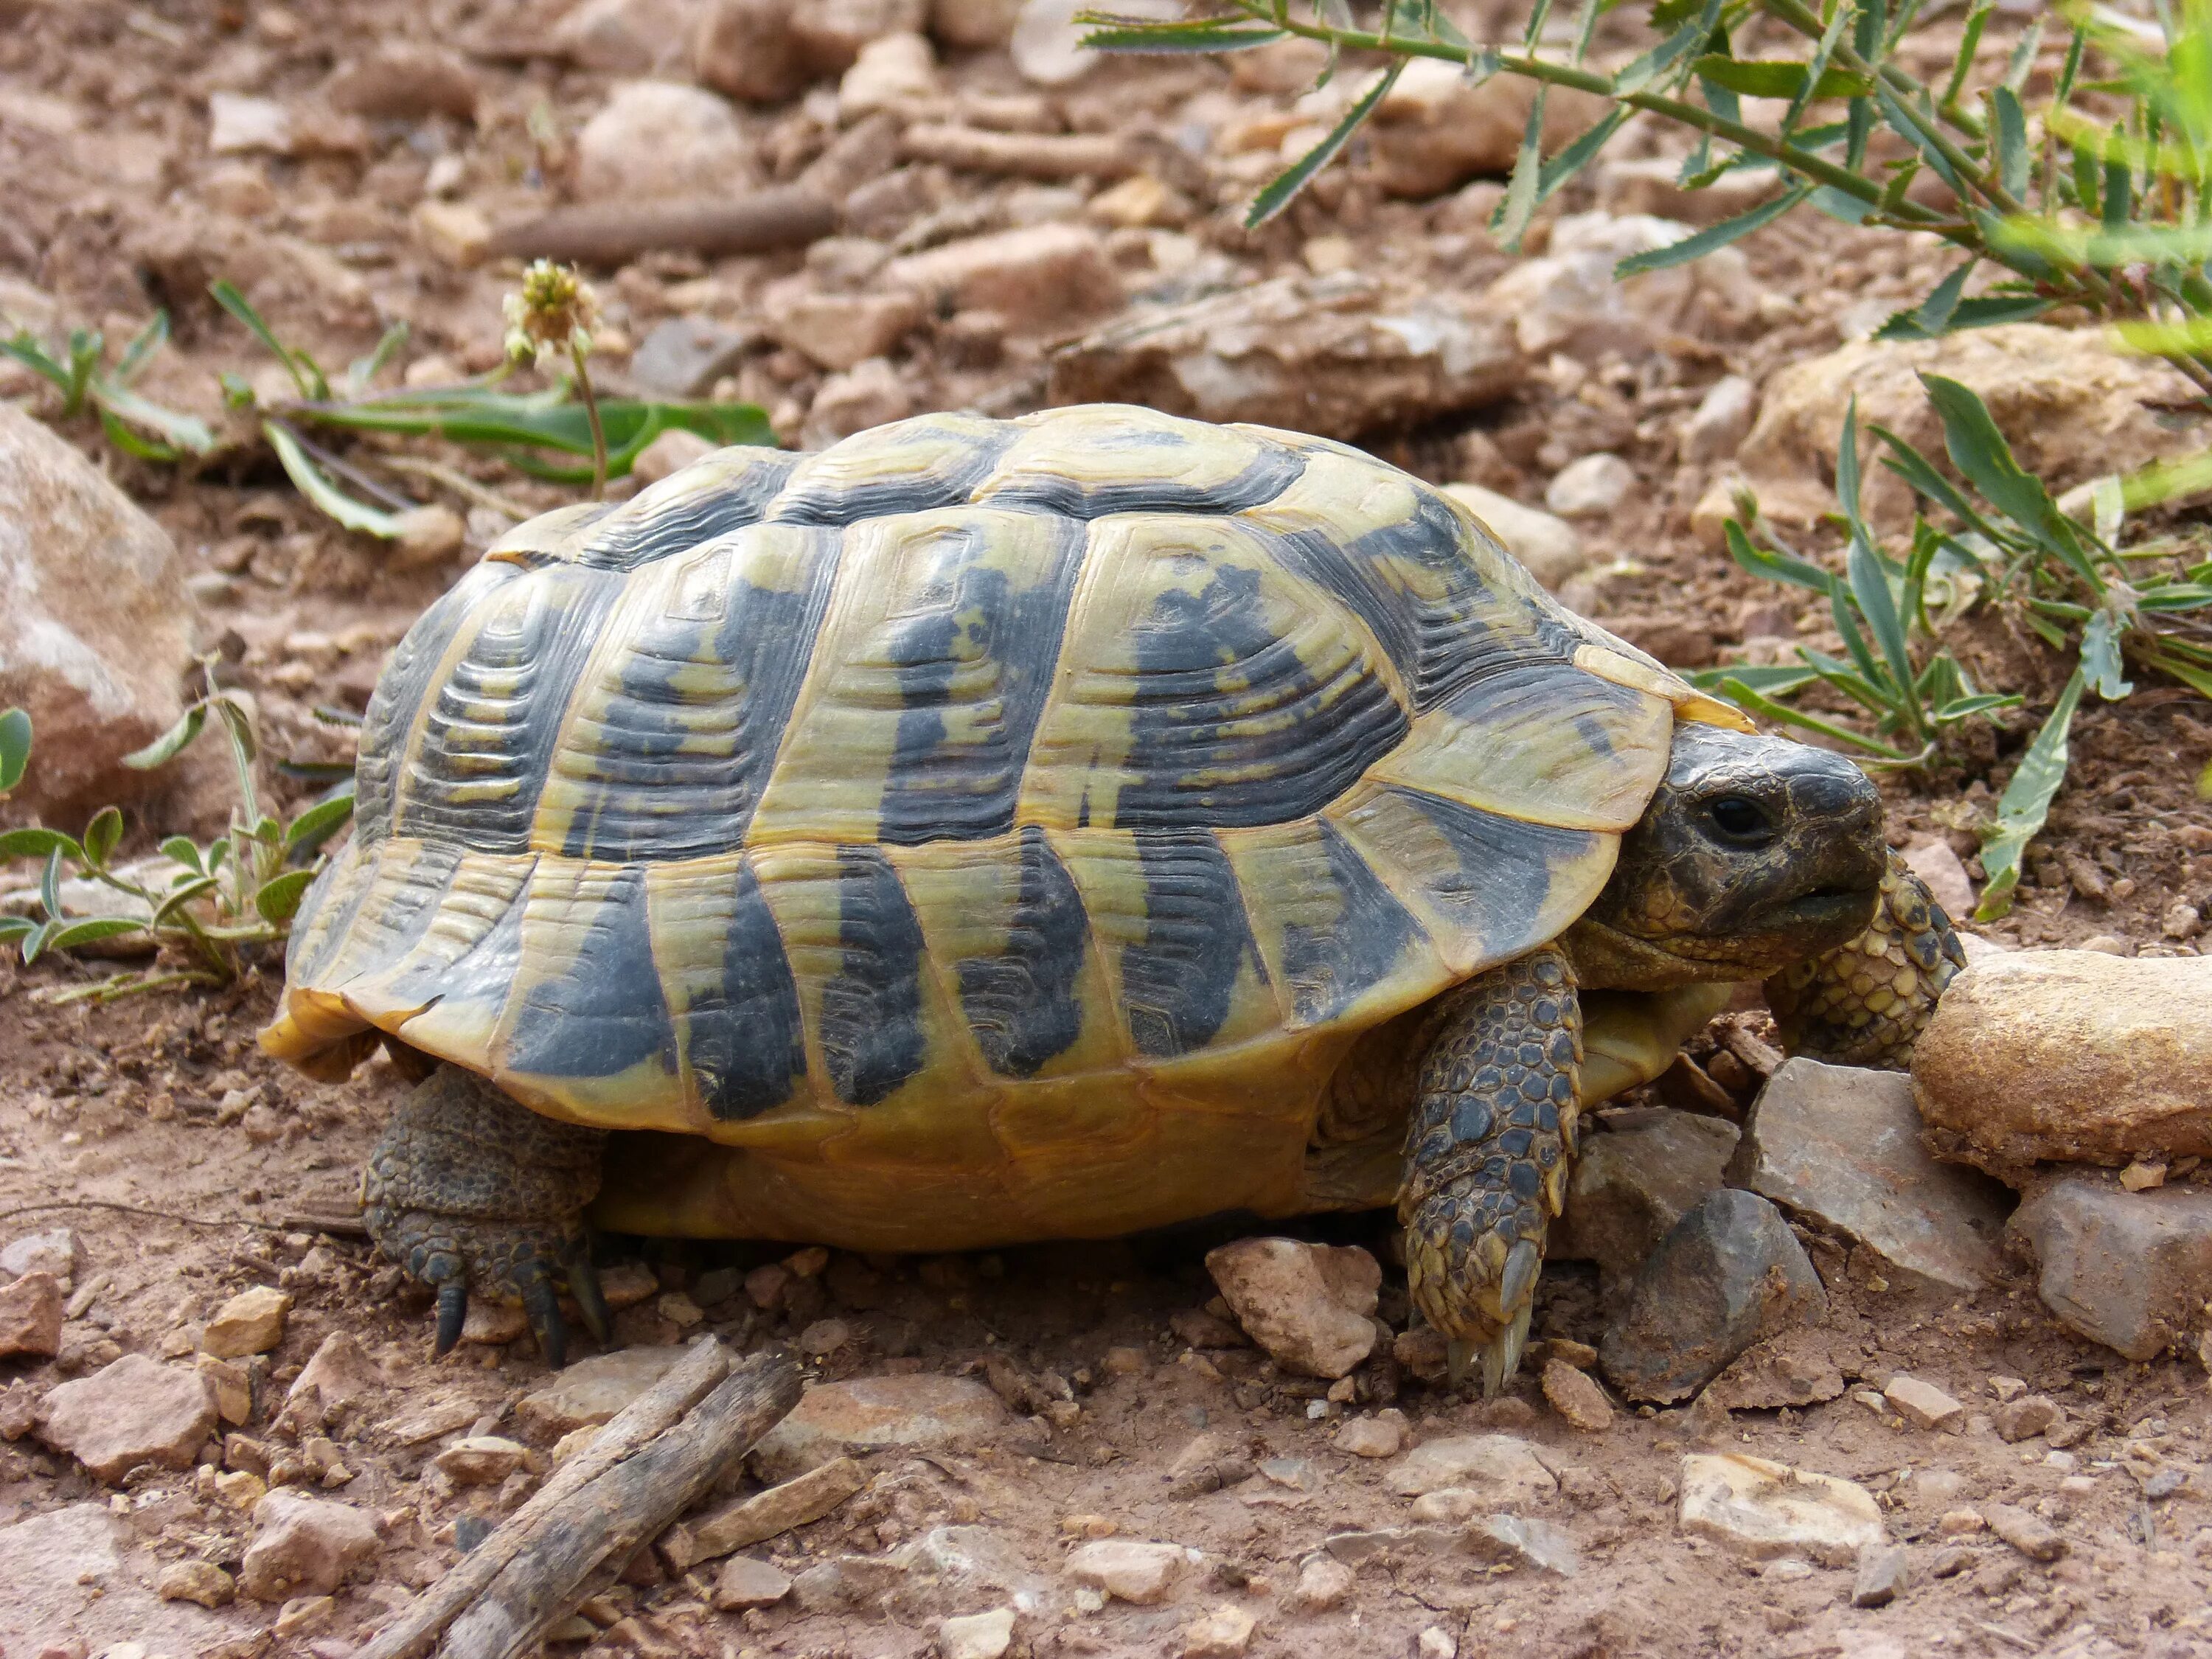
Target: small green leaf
(319,823)
(101,835)
(91,929)
(172,426)
(240,307)
(1523,189)
(1757,78)
(1713,236)
(2026,802)
(1775,567)
(24,349)
(363,370)
(166,748)
(317,487)
(1932,316)
(144,449)
(15,748)
(182,849)
(1202,34)
(13,928)
(2100,656)
(279,897)
(2010,130)
(140,352)
(1979,451)
(50,884)
(179,896)
(38,844)
(1286,184)
(34,944)
(239,726)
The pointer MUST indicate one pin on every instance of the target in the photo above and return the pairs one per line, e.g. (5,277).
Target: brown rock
(250,1322)
(1128,1569)
(1435,130)
(1223,1632)
(1310,1306)
(2030,1534)
(303,1546)
(1783,1371)
(1324,1583)
(134,1411)
(974,24)
(871,1413)
(2071,405)
(195,1581)
(2129,1270)
(655,139)
(1337,356)
(481,1460)
(231,1387)
(402,81)
(340,1373)
(1036,276)
(2025,1418)
(869,394)
(1577,1397)
(1923,1404)
(837,330)
(2069,1056)
(30,1317)
(745,1582)
(763,1515)
(629,37)
(746,48)
(95,628)
(1372,1436)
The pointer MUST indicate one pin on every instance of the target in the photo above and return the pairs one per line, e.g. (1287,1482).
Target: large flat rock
(876,1414)
(76,1575)
(2069,1056)
(2130,1270)
(1841,1146)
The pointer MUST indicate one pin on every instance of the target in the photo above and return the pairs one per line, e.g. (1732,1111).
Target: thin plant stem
(591,415)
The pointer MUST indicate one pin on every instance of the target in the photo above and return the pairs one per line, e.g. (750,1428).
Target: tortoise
(985,831)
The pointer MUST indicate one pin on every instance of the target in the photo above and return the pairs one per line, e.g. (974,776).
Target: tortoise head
(1754,853)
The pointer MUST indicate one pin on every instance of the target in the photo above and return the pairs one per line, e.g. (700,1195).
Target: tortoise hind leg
(1487,1153)
(471,1192)
(1865,1003)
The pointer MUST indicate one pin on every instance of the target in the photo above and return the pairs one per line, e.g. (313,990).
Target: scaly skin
(1865,1003)
(1486,1156)
(471,1192)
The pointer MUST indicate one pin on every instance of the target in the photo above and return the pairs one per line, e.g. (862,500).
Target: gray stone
(1720,421)
(1763,1509)
(683,356)
(873,1413)
(1590,486)
(1730,1273)
(1523,1542)
(1336,356)
(659,138)
(2129,1270)
(95,625)
(1884,1571)
(1840,1145)
(73,1580)
(1501,1464)
(55,1252)
(1631,1185)
(593,1390)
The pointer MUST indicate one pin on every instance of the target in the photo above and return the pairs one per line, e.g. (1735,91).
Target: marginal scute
(931,461)
(718,493)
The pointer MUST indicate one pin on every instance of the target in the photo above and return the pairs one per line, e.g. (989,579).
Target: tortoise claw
(453,1313)
(543,1308)
(591,1300)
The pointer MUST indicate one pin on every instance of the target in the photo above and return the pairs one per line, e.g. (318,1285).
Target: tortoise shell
(1045,802)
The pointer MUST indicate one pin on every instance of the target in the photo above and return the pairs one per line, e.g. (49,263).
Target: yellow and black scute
(998,830)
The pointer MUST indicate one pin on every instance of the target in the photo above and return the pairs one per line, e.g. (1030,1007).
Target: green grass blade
(140,352)
(315,484)
(2026,802)
(1285,185)
(174,428)
(1713,236)
(1744,698)
(240,307)
(167,747)
(15,748)
(1775,567)
(1870,590)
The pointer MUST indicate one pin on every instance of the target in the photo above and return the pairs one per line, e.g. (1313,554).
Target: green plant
(135,424)
(214,908)
(567,419)
(2074,208)
(2007,544)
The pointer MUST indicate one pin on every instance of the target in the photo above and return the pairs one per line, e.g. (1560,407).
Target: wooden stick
(602,1527)
(652,1412)
(615,232)
(1025,155)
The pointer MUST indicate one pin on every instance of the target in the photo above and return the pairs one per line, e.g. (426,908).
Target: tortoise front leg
(1493,1126)
(469,1191)
(1865,1003)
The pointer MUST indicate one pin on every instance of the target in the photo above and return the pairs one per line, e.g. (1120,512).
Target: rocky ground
(222,1433)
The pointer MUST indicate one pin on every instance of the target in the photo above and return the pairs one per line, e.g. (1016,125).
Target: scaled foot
(1486,1156)
(1865,1003)
(472,1193)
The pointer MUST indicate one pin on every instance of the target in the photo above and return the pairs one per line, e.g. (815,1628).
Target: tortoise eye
(1741,821)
